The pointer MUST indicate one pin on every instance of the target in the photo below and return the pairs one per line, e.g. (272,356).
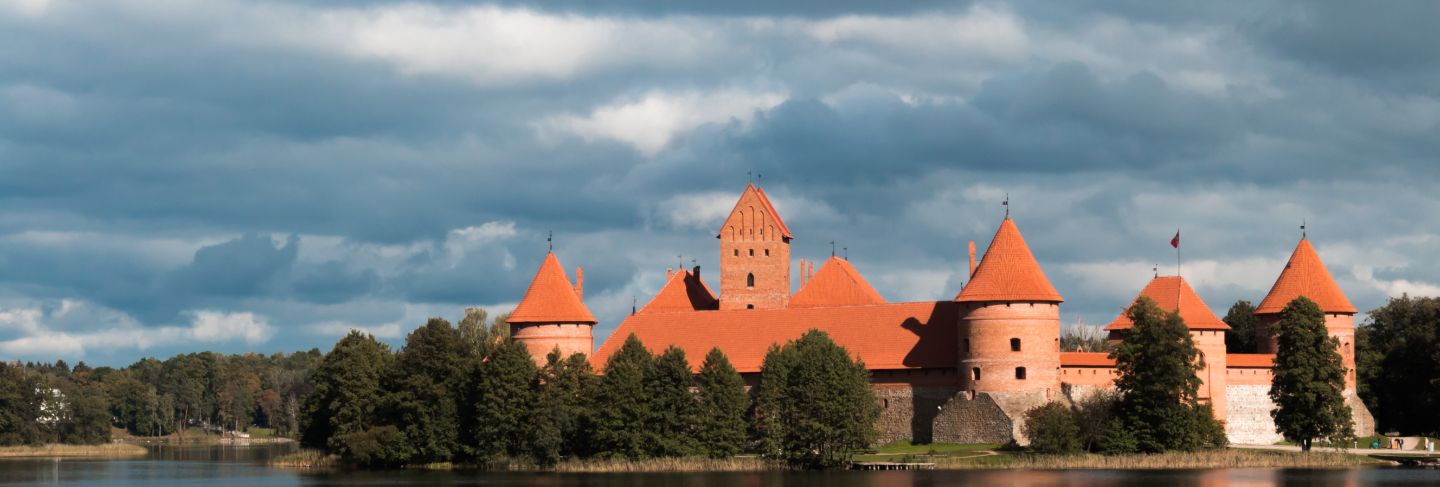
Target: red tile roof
(1170,293)
(551,298)
(1086,359)
(837,283)
(885,336)
(1305,275)
(759,194)
(1008,272)
(1262,360)
(683,292)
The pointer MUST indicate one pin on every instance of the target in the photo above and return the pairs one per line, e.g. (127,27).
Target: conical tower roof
(1305,275)
(837,283)
(683,292)
(551,298)
(1173,293)
(1008,272)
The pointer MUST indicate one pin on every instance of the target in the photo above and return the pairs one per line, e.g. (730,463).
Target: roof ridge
(1173,293)
(836,283)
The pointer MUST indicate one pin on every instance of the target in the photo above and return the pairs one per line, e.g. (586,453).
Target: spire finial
(750,177)
(633,302)
(550,240)
(679,262)
(1302,229)
(832,248)
(1156,269)
(1006,204)
(847,252)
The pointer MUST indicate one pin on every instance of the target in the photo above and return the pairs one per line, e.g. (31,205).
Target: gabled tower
(1173,294)
(754,255)
(551,315)
(1305,275)
(1009,322)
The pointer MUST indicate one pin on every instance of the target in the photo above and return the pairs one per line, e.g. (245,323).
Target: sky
(258,175)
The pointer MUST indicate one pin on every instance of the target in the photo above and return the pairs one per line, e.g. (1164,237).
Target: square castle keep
(961,371)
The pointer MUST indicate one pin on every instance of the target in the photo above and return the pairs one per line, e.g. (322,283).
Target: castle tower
(552,315)
(1009,322)
(754,255)
(1172,293)
(1305,275)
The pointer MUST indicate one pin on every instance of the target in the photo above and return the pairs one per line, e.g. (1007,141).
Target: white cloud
(42,336)
(1396,287)
(648,123)
(980,32)
(494,46)
(31,8)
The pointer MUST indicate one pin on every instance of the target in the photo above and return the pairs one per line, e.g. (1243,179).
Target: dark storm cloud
(260,157)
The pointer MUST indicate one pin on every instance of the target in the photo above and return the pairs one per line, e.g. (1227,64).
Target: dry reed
(59,450)
(689,464)
(1201,459)
(306,458)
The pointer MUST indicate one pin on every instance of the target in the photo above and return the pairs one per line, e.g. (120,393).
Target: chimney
(669,273)
(972,259)
(697,272)
(580,282)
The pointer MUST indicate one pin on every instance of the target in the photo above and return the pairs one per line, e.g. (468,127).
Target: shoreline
(989,460)
(55,450)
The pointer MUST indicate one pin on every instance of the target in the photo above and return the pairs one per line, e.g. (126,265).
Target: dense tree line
(470,394)
(1398,361)
(50,403)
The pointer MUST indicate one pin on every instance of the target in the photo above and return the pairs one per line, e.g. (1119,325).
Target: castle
(963,370)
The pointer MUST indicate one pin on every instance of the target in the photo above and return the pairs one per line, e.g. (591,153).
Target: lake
(245,466)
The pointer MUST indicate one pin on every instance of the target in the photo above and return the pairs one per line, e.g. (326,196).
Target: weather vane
(832,248)
(1156,268)
(1302,228)
(550,240)
(1006,204)
(847,252)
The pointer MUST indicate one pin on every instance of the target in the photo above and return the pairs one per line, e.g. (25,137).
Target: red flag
(1175,242)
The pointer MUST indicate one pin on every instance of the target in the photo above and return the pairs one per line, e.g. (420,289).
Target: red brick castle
(963,370)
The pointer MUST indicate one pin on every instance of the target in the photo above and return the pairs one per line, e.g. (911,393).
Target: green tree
(1242,321)
(1309,378)
(618,409)
(722,405)
(19,406)
(505,403)
(822,410)
(87,414)
(1397,354)
(670,429)
(1157,365)
(1051,429)
(1093,414)
(347,392)
(563,384)
(429,376)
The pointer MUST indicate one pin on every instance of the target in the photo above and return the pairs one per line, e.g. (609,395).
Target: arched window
(1020,373)
(1014,344)
(750,280)
(975,373)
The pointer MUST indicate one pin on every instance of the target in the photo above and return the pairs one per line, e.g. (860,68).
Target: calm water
(237,466)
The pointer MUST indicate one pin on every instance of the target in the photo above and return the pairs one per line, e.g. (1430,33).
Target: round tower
(1305,275)
(1009,322)
(552,314)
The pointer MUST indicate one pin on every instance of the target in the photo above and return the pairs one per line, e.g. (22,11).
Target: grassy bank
(56,450)
(1230,458)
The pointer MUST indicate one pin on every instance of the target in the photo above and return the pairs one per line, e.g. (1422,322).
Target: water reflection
(212,466)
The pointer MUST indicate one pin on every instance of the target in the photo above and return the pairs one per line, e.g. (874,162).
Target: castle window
(767,252)
(975,373)
(737,252)
(750,280)
(967,345)
(749,306)
(1020,373)
(1014,344)
(752,252)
